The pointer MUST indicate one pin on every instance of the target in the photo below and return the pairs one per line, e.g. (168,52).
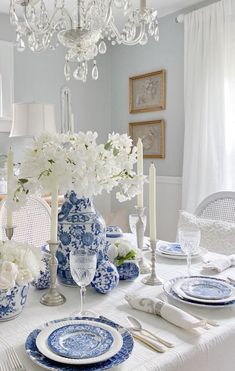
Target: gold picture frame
(147,92)
(152,134)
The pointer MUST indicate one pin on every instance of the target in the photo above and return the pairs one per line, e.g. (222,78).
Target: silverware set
(156,342)
(10,361)
(147,337)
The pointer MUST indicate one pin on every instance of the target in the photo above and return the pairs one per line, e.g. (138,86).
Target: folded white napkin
(219,264)
(170,313)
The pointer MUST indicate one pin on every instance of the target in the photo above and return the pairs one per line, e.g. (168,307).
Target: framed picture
(152,134)
(147,92)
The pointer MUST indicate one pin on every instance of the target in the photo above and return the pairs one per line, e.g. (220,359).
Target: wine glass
(83,268)
(133,219)
(189,239)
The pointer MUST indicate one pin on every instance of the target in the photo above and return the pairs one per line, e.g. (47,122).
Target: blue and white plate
(173,250)
(43,347)
(171,289)
(80,341)
(206,288)
(122,355)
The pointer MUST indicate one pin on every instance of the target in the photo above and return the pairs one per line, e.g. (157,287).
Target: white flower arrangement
(76,162)
(20,264)
(120,251)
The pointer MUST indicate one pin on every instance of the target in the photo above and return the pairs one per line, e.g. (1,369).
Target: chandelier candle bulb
(142,4)
(71,129)
(54,213)
(140,196)
(152,203)
(10,174)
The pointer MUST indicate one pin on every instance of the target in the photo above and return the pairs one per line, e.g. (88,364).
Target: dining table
(207,349)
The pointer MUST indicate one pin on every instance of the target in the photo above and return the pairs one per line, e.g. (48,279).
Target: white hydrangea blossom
(20,263)
(76,162)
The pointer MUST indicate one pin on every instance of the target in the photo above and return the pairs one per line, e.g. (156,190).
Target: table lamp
(32,119)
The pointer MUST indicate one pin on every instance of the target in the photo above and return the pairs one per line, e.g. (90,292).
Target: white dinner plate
(43,347)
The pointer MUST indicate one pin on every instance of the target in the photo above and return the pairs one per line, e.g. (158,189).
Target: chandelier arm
(121,40)
(64,13)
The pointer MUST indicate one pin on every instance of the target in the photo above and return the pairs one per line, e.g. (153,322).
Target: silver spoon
(136,325)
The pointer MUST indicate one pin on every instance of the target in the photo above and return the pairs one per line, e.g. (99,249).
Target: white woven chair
(32,222)
(218,206)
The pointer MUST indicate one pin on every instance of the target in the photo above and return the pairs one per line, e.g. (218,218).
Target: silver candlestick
(9,232)
(53,297)
(144,267)
(153,279)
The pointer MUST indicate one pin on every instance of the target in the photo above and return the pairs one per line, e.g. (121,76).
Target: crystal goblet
(83,267)
(189,239)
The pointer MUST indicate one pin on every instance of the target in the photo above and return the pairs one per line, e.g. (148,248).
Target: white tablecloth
(212,350)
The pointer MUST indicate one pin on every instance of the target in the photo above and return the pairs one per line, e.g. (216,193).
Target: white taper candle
(10,174)
(140,171)
(54,213)
(152,203)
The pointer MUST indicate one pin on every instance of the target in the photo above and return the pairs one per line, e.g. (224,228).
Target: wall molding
(169,179)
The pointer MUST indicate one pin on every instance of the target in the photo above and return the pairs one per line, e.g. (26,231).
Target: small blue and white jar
(129,270)
(106,277)
(113,233)
(12,302)
(43,280)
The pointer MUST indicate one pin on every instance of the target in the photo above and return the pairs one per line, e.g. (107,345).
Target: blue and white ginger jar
(80,226)
(43,280)
(12,302)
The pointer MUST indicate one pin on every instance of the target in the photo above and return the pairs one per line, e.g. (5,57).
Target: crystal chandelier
(83,27)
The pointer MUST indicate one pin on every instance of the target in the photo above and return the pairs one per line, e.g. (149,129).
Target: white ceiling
(164,6)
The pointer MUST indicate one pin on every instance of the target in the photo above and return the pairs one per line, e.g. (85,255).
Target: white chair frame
(218,206)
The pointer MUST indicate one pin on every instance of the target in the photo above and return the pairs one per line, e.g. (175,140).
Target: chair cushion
(216,236)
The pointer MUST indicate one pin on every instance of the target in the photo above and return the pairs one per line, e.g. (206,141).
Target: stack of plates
(72,344)
(173,250)
(201,291)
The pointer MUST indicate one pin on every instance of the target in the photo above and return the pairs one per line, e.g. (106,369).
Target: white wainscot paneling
(169,192)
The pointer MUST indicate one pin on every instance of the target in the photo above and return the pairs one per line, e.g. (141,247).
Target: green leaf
(115,151)
(23,180)
(108,145)
(130,256)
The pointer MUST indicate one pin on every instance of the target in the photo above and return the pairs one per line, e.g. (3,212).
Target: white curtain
(209,149)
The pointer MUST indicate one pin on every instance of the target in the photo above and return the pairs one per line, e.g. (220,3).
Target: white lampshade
(32,119)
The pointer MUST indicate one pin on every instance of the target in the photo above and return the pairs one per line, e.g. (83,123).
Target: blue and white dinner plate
(43,347)
(171,289)
(40,359)
(206,288)
(173,250)
(80,341)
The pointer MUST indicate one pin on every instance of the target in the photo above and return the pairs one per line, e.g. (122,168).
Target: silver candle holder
(53,297)
(144,266)
(153,279)
(9,231)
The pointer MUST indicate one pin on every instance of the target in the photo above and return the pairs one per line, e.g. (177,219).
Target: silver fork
(12,363)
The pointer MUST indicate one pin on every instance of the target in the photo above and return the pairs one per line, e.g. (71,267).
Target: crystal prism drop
(95,72)
(144,39)
(156,34)
(13,17)
(67,71)
(20,45)
(102,47)
(78,74)
(151,28)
